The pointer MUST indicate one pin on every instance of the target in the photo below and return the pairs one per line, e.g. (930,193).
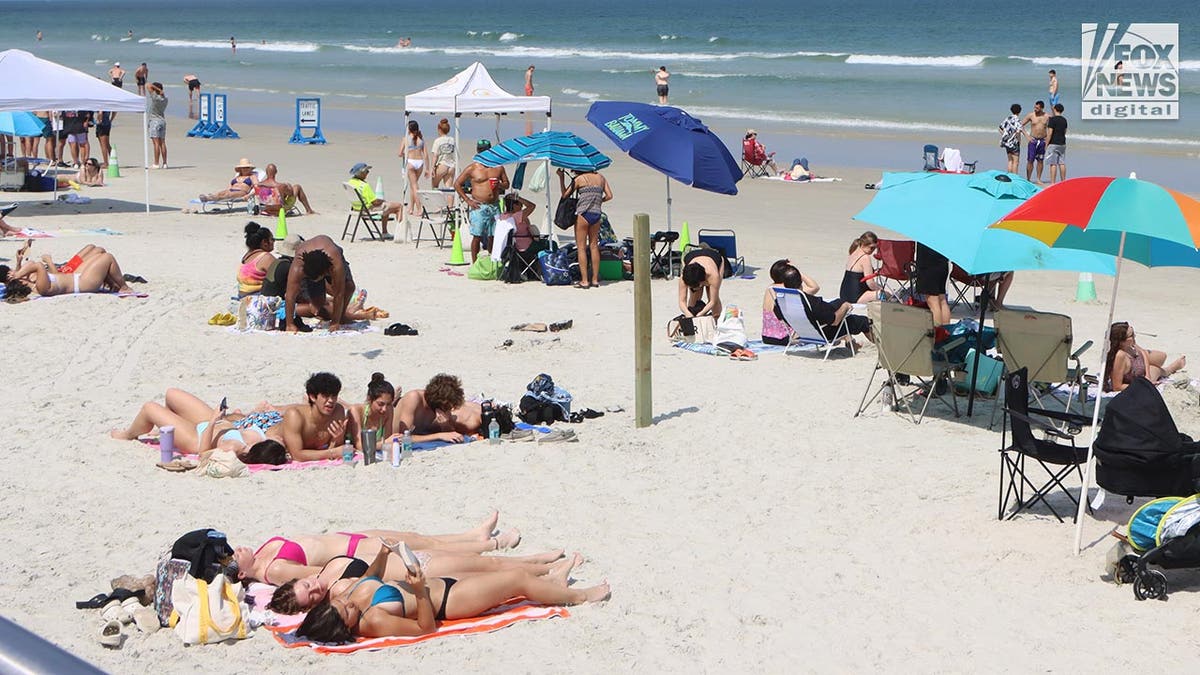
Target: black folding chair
(664,259)
(518,266)
(1058,460)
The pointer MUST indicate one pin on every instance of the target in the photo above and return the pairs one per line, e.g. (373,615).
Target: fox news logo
(1130,71)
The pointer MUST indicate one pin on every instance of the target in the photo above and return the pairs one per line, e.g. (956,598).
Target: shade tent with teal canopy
(950,213)
(18,123)
(561,148)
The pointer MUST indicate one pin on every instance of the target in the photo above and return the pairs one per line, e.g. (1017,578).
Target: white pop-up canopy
(31,83)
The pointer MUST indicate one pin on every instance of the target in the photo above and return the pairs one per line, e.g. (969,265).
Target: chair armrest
(950,344)
(1041,426)
(1083,348)
(1076,422)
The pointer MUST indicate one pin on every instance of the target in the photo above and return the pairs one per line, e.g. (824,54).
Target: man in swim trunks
(487,184)
(141,75)
(193,85)
(117,75)
(529,81)
(661,84)
(320,268)
(439,412)
(1053,88)
(317,430)
(286,191)
(75,132)
(1037,139)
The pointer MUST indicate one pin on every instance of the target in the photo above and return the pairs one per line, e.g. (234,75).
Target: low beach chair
(1057,459)
(806,332)
(931,158)
(1041,343)
(249,203)
(915,366)
(962,284)
(897,265)
(268,202)
(755,164)
(438,214)
(724,241)
(361,214)
(664,259)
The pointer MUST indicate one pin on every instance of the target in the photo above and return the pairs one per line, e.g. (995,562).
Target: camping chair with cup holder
(664,259)
(915,365)
(755,163)
(1059,460)
(797,314)
(517,266)
(1041,342)
(897,268)
(361,214)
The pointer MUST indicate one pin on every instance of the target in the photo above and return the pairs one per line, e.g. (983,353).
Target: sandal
(400,329)
(109,634)
(579,285)
(561,325)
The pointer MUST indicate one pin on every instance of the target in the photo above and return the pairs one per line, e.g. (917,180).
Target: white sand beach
(756,526)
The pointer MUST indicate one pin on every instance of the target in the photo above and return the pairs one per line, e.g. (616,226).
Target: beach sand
(756,526)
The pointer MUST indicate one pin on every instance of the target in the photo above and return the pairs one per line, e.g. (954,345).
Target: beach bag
(218,463)
(564,217)
(168,572)
(556,266)
(207,613)
(692,328)
(483,269)
(731,329)
(206,552)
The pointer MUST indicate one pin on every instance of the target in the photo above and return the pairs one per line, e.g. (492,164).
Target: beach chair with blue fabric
(724,241)
(932,159)
(806,332)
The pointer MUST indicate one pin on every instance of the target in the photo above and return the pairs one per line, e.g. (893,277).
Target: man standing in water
(140,76)
(661,78)
(117,75)
(529,81)
(1053,88)
(1037,140)
(487,184)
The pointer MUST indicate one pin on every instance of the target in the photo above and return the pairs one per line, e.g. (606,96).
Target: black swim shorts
(663,89)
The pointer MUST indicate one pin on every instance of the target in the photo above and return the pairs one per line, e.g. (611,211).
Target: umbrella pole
(146,157)
(1087,467)
(670,267)
(984,299)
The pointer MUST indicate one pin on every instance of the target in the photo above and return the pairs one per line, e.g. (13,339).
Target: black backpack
(207,550)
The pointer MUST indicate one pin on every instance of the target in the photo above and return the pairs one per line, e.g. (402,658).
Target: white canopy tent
(473,91)
(31,83)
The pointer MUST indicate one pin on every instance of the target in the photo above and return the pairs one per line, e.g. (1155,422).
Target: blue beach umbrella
(562,148)
(671,141)
(20,124)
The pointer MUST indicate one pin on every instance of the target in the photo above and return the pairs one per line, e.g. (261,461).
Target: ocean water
(820,67)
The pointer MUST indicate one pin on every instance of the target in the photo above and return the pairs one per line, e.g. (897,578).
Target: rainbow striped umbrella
(1124,217)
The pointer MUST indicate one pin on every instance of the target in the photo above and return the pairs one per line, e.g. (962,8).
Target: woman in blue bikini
(240,186)
(199,427)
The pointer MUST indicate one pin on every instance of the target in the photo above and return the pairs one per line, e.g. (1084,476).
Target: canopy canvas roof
(31,83)
(473,91)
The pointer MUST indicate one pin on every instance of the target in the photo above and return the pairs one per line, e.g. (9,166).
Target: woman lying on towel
(378,410)
(300,594)
(255,438)
(96,274)
(240,186)
(257,259)
(369,607)
(1128,360)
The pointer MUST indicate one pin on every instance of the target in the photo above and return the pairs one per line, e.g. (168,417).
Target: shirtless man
(661,78)
(193,85)
(439,412)
(117,75)
(317,430)
(319,268)
(1053,88)
(529,81)
(1036,151)
(286,191)
(487,184)
(141,75)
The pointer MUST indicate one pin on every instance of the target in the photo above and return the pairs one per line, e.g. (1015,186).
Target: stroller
(1139,450)
(1166,533)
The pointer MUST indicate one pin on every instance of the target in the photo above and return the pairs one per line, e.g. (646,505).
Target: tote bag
(209,613)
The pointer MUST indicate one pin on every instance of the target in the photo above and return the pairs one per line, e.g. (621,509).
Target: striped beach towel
(500,617)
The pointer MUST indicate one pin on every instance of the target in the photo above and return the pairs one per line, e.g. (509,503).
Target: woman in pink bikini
(1128,360)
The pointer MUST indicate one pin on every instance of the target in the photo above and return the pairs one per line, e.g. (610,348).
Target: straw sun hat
(244,164)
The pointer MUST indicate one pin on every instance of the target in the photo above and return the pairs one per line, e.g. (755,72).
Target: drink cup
(493,182)
(166,444)
(367,437)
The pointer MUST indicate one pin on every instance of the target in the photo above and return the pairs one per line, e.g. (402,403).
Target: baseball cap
(359,168)
(117,63)
(483,144)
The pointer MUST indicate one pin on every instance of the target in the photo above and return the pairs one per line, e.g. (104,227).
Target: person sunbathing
(89,174)
(257,260)
(1128,360)
(274,194)
(240,186)
(97,274)
(199,427)
(439,412)
(378,411)
(370,607)
(299,595)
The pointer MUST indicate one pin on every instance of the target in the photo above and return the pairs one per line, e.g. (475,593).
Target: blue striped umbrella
(563,148)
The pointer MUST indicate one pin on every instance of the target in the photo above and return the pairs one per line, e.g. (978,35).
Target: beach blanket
(817,179)
(423,446)
(33,233)
(320,331)
(756,346)
(124,294)
(494,619)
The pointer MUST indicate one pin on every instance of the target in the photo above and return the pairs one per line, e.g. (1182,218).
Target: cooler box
(612,270)
(988,376)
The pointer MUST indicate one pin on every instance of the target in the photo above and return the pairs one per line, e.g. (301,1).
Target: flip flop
(99,600)
(561,325)
(133,278)
(400,329)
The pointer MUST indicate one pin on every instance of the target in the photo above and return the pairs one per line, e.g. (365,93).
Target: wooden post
(642,322)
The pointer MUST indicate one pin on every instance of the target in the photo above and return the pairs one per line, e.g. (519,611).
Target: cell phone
(224,403)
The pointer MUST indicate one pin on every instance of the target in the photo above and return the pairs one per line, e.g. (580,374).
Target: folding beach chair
(806,332)
(268,202)
(517,266)
(897,265)
(755,164)
(961,284)
(249,203)
(930,156)
(664,259)
(724,241)
(1041,343)
(361,214)
(438,214)
(915,366)
(1057,459)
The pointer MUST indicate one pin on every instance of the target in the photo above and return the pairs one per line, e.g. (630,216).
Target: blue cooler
(990,370)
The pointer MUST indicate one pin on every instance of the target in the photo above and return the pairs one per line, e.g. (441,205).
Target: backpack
(206,551)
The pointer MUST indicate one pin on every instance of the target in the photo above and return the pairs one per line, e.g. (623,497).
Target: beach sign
(220,128)
(205,121)
(308,116)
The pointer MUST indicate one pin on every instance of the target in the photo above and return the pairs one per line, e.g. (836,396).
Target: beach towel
(423,446)
(756,346)
(492,620)
(34,233)
(320,331)
(815,179)
(124,294)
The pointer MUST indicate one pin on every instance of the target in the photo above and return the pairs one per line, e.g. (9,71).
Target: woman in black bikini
(703,270)
(370,607)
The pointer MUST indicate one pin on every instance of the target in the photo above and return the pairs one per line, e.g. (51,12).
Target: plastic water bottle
(888,397)
(396,453)
(347,453)
(406,445)
(494,432)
